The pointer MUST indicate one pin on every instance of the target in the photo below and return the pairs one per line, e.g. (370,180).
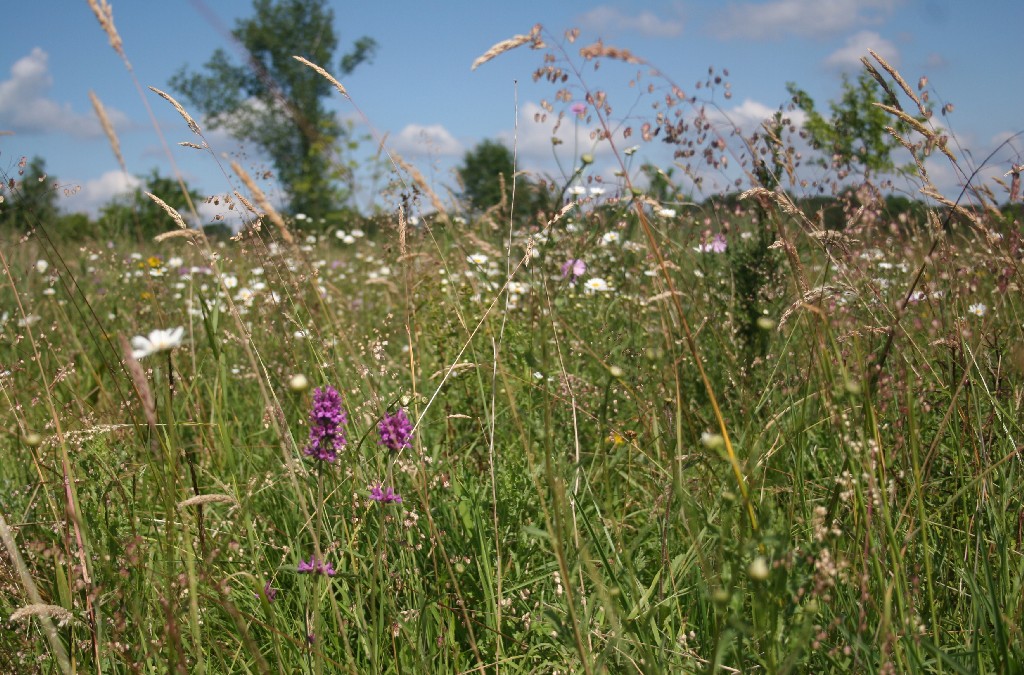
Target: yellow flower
(154,262)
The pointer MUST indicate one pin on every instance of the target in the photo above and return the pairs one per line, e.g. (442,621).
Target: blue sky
(420,85)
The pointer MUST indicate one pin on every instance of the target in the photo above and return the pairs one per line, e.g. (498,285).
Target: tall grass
(801,453)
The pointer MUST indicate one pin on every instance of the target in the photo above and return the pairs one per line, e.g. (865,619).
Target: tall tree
(277,103)
(855,134)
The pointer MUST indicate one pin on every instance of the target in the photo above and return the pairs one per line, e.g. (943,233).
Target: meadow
(622,434)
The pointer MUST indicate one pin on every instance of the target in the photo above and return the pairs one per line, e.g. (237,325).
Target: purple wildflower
(325,420)
(384,495)
(573,269)
(314,566)
(395,430)
(717,244)
(578,108)
(269,591)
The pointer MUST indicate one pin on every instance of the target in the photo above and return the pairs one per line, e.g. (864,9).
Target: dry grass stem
(931,192)
(917,126)
(246,203)
(815,295)
(421,182)
(108,129)
(262,201)
(138,376)
(199,500)
(62,616)
(600,50)
(910,148)
(194,146)
(896,76)
(193,235)
(327,76)
(508,45)
(402,250)
(105,15)
(873,72)
(177,106)
(171,211)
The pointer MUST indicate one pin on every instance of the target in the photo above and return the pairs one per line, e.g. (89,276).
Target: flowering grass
(574,444)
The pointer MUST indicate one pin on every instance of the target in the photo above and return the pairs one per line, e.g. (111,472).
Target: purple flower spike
(395,430)
(384,495)
(314,566)
(269,591)
(325,421)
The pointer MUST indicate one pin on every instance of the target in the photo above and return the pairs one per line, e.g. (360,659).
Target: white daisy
(158,340)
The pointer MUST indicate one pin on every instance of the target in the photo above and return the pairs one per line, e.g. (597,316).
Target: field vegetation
(599,423)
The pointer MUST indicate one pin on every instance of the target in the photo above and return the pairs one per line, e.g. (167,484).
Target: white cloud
(608,19)
(433,139)
(749,115)
(96,192)
(808,18)
(848,56)
(25,106)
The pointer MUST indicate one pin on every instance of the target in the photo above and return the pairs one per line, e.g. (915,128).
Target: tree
(855,135)
(276,102)
(33,199)
(481,174)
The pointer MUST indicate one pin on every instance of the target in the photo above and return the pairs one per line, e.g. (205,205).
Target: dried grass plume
(510,44)
(327,76)
(108,129)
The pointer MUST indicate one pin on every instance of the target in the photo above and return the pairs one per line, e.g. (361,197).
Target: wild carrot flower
(573,269)
(325,421)
(315,566)
(395,430)
(157,341)
(384,495)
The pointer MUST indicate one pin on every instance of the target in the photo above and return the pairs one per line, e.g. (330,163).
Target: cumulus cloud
(96,192)
(848,56)
(26,107)
(432,139)
(608,19)
(748,115)
(807,18)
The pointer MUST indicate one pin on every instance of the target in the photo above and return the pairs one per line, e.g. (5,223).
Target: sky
(420,95)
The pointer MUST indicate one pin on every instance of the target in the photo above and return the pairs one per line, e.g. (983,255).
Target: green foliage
(485,172)
(30,198)
(278,103)
(854,137)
